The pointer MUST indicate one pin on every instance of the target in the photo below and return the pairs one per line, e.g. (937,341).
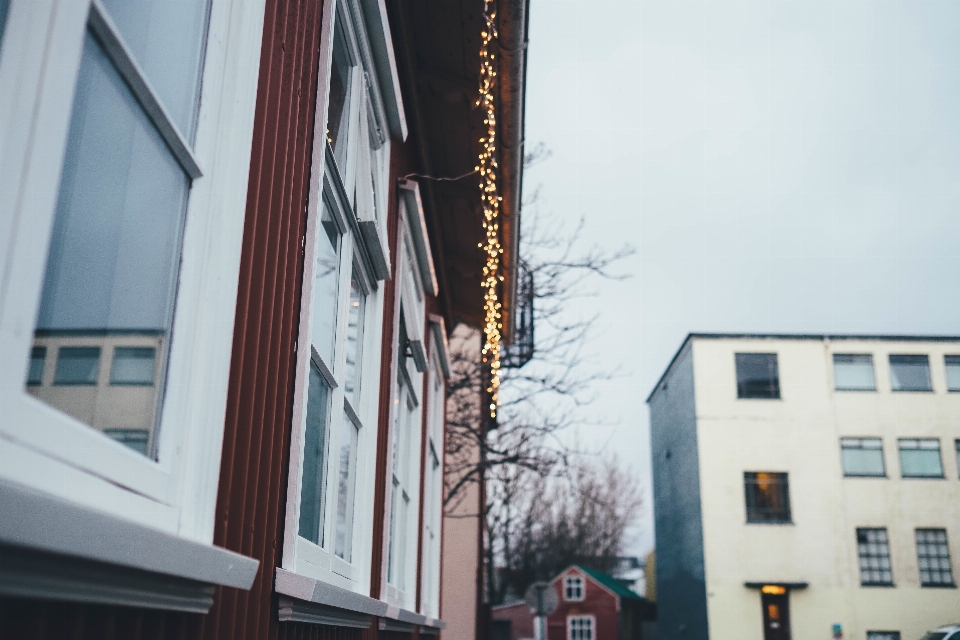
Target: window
(77,366)
(933,558)
(38,361)
(768,497)
(862,457)
(953,372)
(329,533)
(573,588)
(920,458)
(853,372)
(433,482)
(873,550)
(580,628)
(910,373)
(956,444)
(116,227)
(757,375)
(133,366)
(883,635)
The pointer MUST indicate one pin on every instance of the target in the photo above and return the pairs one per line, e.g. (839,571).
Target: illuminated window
(757,375)
(933,558)
(768,497)
(873,550)
(573,588)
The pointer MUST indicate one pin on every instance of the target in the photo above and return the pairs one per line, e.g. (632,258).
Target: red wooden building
(592,606)
(235,238)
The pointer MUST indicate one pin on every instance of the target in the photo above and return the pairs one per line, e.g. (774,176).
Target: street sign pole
(542,599)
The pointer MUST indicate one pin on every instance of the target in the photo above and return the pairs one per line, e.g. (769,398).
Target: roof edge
(878,337)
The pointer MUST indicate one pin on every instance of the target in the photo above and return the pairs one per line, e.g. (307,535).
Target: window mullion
(120,55)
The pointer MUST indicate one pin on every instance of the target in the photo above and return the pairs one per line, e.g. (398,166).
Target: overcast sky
(780,166)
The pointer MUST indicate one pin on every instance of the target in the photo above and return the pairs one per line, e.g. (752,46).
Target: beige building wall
(800,434)
(461,552)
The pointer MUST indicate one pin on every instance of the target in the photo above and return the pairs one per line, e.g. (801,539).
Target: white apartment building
(806,486)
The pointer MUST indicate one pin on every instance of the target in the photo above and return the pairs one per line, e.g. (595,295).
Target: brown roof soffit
(513,27)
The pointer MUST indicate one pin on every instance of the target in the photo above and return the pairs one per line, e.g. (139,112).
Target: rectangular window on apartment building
(853,372)
(862,457)
(910,373)
(920,458)
(933,558)
(873,550)
(953,372)
(757,375)
(767,496)
(580,628)
(883,635)
(956,444)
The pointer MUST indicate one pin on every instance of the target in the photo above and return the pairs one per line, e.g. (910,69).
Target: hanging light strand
(490,200)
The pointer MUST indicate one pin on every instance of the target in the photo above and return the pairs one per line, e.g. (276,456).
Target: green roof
(610,583)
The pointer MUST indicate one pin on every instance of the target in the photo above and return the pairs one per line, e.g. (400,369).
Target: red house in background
(593,606)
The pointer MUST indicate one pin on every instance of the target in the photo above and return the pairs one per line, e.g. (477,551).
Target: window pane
(910,373)
(953,372)
(136,439)
(862,457)
(957,445)
(853,372)
(326,286)
(920,458)
(38,361)
(341,80)
(883,635)
(933,558)
(313,484)
(757,375)
(114,253)
(873,550)
(133,365)
(355,313)
(346,485)
(767,497)
(167,40)
(77,365)
(4,5)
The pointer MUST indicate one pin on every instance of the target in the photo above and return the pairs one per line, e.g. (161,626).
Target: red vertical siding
(251,501)
(597,602)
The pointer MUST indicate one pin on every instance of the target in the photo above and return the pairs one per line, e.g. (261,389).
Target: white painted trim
(178,494)
(381,44)
(439,329)
(410,192)
(593,624)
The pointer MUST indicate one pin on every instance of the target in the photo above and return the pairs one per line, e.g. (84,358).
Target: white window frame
(593,625)
(568,582)
(399,590)
(40,447)
(437,376)
(358,251)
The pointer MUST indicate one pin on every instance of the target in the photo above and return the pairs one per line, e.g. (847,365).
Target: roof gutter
(513,28)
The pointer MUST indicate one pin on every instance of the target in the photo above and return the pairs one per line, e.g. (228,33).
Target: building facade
(229,277)
(807,486)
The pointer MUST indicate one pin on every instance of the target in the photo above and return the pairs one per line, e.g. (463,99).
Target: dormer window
(573,588)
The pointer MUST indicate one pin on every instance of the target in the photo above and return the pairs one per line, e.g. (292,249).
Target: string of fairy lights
(490,200)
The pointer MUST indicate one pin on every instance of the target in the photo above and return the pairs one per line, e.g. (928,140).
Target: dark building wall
(681,586)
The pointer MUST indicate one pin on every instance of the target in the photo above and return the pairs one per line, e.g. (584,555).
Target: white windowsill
(133,562)
(319,592)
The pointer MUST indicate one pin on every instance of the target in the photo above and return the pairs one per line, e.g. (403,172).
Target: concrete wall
(680,581)
(800,434)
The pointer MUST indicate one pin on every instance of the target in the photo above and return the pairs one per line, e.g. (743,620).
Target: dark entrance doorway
(776,616)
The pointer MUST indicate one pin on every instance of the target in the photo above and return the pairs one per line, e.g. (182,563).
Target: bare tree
(582,515)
